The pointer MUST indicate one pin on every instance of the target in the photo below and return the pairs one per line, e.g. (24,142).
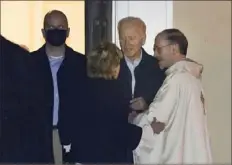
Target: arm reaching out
(156,118)
(162,106)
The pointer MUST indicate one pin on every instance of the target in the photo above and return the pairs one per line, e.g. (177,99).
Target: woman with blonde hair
(104,134)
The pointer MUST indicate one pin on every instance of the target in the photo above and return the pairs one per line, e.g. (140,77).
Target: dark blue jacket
(102,132)
(41,82)
(149,78)
(14,103)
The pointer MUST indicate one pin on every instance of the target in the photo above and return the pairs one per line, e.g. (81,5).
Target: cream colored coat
(180,105)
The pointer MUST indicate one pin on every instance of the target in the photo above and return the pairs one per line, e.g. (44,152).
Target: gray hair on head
(138,22)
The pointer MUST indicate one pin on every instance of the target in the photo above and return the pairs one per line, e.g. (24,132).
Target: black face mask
(56,37)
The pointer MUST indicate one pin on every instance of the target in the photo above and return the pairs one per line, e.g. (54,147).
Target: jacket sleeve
(163,104)
(64,126)
(69,113)
(140,137)
(134,136)
(147,140)
(73,101)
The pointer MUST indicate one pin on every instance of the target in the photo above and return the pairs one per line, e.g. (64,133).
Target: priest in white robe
(181,134)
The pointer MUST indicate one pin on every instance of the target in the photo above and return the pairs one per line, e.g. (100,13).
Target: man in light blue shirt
(56,71)
(55,63)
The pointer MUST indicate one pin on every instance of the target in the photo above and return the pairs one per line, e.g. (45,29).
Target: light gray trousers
(57,148)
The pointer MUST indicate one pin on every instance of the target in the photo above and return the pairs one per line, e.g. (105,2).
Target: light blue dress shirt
(55,63)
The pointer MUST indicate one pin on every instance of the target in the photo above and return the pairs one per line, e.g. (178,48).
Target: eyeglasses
(159,47)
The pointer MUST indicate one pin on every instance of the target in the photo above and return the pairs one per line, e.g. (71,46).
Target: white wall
(157,15)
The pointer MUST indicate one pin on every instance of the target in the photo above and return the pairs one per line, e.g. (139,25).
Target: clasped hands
(139,105)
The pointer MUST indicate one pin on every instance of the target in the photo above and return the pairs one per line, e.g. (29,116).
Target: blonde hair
(138,22)
(102,60)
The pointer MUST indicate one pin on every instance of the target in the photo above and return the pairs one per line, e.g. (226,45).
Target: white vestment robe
(179,104)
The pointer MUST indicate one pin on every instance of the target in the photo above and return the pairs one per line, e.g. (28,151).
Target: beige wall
(21,21)
(207,25)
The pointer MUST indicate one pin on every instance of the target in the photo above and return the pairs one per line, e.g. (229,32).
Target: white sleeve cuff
(67,148)
(146,143)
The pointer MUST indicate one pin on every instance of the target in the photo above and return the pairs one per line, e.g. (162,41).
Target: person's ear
(175,48)
(68,31)
(144,39)
(43,33)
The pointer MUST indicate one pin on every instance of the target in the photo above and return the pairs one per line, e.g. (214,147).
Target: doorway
(98,22)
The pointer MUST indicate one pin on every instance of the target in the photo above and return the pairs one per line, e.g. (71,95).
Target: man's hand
(132,116)
(138,104)
(157,126)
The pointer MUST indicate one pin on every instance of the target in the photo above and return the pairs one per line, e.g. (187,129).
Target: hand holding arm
(138,104)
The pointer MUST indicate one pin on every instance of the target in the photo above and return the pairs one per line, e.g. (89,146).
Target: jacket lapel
(45,65)
(125,77)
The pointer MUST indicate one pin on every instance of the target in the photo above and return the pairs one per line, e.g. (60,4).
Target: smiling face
(164,52)
(170,47)
(132,36)
(131,41)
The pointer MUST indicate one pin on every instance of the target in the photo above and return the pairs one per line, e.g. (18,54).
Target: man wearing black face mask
(56,73)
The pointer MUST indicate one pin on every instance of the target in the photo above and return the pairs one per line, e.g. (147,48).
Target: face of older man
(131,39)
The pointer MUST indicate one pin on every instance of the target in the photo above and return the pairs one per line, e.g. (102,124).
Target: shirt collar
(55,57)
(136,61)
(184,65)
